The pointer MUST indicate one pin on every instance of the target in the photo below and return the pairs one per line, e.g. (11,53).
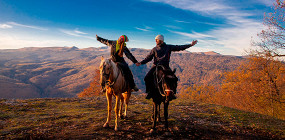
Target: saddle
(120,68)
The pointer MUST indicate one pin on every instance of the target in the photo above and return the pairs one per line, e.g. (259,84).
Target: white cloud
(14,42)
(26,26)
(145,28)
(267,2)
(172,27)
(235,35)
(236,39)
(181,21)
(76,33)
(205,6)
(194,35)
(142,29)
(70,32)
(5,26)
(79,32)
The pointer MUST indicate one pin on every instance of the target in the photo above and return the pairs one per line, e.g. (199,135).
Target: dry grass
(75,118)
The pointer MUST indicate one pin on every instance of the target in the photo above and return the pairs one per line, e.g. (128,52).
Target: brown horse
(166,84)
(113,81)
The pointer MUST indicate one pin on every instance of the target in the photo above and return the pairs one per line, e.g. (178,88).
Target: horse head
(105,71)
(168,81)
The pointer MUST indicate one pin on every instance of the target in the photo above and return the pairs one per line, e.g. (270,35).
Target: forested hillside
(65,71)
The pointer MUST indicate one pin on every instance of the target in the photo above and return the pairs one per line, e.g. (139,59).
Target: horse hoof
(152,131)
(106,125)
(116,129)
(167,134)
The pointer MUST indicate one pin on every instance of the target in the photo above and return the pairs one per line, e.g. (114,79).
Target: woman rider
(118,47)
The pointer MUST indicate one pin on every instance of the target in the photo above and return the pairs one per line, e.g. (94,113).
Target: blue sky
(223,26)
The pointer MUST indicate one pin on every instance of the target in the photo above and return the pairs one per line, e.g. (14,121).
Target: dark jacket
(161,53)
(114,55)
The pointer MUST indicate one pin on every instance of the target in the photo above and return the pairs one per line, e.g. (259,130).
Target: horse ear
(174,70)
(102,58)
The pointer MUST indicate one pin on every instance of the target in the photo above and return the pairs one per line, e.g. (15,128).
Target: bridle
(162,81)
(107,76)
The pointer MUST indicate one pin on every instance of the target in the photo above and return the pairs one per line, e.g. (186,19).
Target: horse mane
(115,68)
(113,65)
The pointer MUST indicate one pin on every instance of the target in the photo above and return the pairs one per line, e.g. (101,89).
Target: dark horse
(166,84)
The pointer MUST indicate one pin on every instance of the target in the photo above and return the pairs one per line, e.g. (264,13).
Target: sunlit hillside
(65,71)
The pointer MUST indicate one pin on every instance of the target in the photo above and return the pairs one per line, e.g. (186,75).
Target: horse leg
(118,98)
(166,115)
(121,108)
(126,101)
(109,100)
(158,113)
(154,117)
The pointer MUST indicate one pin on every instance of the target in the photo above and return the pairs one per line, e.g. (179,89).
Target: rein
(107,83)
(158,81)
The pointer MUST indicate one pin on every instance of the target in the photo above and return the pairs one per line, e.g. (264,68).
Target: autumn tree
(200,93)
(94,88)
(272,39)
(258,86)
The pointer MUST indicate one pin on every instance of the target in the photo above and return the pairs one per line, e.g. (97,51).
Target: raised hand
(194,42)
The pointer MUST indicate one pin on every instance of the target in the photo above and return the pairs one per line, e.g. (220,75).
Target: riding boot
(132,83)
(149,82)
(135,88)
(148,87)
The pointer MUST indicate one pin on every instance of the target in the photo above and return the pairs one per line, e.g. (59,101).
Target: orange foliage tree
(200,93)
(258,86)
(94,88)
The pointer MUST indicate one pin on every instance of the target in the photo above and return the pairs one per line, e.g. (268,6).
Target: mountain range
(41,72)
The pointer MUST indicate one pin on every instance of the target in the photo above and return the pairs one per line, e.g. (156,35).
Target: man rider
(161,54)
(118,47)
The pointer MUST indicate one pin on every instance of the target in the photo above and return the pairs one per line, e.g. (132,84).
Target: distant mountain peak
(74,48)
(212,53)
(208,53)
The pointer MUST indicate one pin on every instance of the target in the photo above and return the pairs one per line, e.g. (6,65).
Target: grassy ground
(73,118)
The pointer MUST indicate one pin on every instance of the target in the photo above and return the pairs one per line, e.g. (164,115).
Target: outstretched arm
(182,47)
(130,55)
(148,58)
(102,40)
